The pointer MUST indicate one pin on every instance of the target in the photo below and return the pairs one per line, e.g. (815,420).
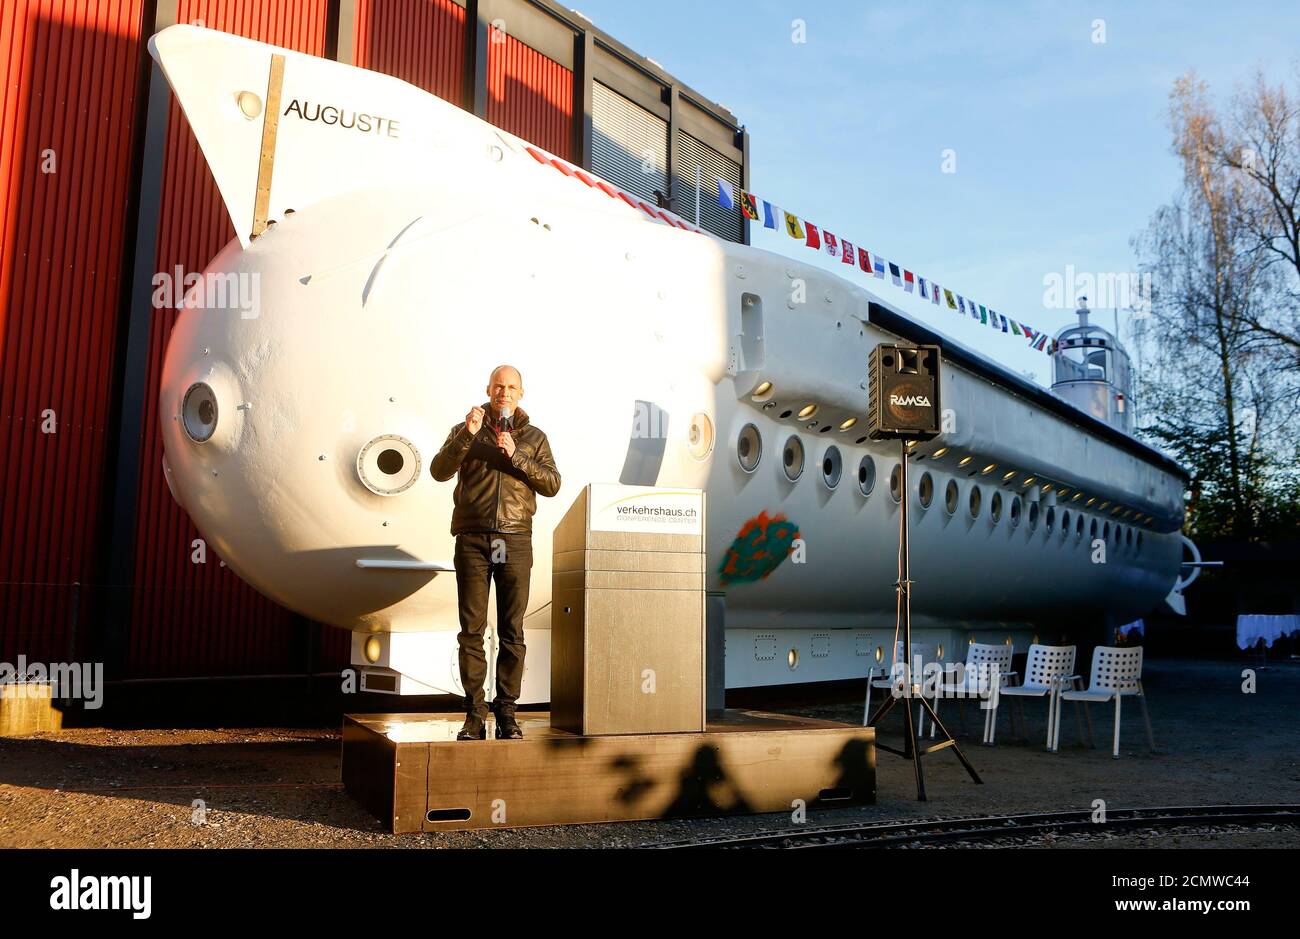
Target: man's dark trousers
(482,557)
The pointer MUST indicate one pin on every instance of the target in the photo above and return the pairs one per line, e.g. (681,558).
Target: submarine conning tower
(1091,371)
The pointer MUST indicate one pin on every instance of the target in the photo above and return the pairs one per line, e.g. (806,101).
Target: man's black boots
(507,726)
(474,728)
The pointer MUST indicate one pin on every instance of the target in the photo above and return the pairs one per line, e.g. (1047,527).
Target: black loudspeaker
(903,385)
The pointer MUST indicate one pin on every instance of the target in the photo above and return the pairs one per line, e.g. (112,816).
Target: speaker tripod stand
(911,684)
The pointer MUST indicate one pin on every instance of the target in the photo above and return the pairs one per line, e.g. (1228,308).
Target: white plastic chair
(987,669)
(1116,673)
(881,676)
(1046,668)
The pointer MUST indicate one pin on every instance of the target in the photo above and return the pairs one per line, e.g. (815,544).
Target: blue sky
(1061,143)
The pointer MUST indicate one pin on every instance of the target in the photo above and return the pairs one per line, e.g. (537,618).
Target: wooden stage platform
(412,772)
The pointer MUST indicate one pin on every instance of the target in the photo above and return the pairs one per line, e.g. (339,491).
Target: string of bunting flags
(774,217)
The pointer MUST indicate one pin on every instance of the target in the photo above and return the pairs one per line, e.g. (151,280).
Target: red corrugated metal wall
(192,618)
(71,70)
(530,96)
(419,41)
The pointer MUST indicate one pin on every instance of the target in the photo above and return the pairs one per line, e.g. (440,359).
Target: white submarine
(396,248)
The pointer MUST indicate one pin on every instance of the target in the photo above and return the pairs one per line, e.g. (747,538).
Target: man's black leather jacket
(495,492)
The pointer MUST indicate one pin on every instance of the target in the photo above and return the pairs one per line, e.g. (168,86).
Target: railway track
(991,828)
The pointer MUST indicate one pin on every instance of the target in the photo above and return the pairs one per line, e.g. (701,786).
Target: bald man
(502,462)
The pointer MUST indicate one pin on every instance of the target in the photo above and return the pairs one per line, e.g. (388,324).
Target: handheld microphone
(507,420)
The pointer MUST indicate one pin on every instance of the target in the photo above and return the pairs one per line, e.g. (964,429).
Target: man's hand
(507,443)
(474,420)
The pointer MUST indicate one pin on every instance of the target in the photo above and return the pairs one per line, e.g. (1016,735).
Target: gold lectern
(627,612)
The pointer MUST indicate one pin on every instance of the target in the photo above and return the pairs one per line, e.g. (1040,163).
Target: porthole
(792,457)
(896,483)
(951,496)
(786,413)
(925,490)
(1033,516)
(1128,538)
(995,508)
(1078,528)
(1065,524)
(1049,520)
(880,653)
(699,436)
(792,658)
(973,503)
(1013,514)
(749,448)
(866,475)
(250,105)
(832,467)
(199,412)
(1092,530)
(1139,542)
(388,465)
(1105,532)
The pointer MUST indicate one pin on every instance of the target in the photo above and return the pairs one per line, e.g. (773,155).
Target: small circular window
(1015,511)
(749,448)
(699,436)
(1033,516)
(896,483)
(199,412)
(1049,520)
(951,497)
(995,507)
(832,467)
(925,490)
(866,475)
(388,464)
(974,502)
(792,458)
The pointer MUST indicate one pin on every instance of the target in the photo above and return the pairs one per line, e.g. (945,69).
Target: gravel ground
(272,787)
